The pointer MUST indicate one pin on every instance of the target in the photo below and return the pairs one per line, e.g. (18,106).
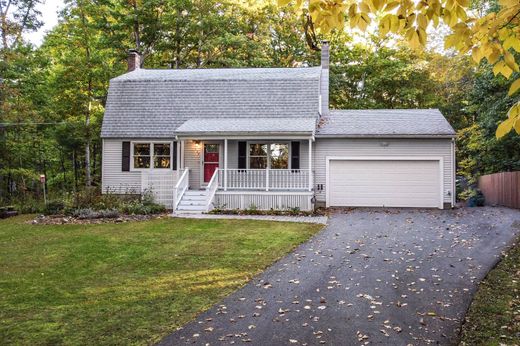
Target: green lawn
(494,314)
(129,283)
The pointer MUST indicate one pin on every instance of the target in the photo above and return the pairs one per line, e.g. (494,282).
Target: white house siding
(192,161)
(324,147)
(113,179)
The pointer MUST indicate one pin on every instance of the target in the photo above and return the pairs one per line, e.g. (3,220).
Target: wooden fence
(501,189)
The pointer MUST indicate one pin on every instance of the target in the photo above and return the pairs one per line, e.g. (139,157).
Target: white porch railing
(265,179)
(212,188)
(181,187)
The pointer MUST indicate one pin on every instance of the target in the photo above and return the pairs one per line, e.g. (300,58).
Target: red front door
(211,158)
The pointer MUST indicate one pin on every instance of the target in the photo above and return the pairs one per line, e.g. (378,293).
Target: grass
(494,315)
(129,283)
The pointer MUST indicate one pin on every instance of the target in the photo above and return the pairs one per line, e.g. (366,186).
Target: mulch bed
(65,220)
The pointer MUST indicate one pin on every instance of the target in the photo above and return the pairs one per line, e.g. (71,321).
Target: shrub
(86,198)
(140,208)
(54,207)
(88,213)
(29,206)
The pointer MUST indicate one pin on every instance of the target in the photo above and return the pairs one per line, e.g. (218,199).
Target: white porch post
(310,164)
(267,179)
(182,153)
(225,163)
(178,153)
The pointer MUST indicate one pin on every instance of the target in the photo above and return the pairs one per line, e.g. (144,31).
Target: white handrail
(211,189)
(181,187)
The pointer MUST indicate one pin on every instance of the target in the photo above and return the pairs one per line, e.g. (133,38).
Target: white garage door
(388,183)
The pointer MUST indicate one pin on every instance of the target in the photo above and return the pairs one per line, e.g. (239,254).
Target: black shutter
(242,155)
(295,155)
(125,163)
(174,156)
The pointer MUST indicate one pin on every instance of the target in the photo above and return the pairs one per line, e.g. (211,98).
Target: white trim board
(384,158)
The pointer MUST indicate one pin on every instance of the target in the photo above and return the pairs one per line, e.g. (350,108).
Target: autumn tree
(493,36)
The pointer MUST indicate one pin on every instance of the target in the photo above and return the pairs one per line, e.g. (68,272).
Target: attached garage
(384,158)
(385,182)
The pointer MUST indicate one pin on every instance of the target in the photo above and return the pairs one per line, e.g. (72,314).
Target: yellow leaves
(509,59)
(364,7)
(282,3)
(476,54)
(385,24)
(463,3)
(363,22)
(502,68)
(391,6)
(416,37)
(378,4)
(327,14)
(514,87)
(504,127)
(512,42)
(508,3)
(512,122)
(422,21)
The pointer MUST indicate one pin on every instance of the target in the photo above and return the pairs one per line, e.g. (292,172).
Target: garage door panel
(392,183)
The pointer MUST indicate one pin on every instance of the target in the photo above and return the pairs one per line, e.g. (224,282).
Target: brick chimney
(133,60)
(324,80)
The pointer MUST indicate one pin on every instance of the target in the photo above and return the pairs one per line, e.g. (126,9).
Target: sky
(49,10)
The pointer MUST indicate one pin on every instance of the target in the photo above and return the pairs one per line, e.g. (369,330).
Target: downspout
(454,176)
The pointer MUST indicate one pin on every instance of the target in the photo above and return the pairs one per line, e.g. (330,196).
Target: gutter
(386,136)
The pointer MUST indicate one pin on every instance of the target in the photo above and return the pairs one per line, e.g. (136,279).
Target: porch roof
(247,126)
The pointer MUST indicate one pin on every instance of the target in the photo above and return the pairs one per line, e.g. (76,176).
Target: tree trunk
(75,171)
(137,33)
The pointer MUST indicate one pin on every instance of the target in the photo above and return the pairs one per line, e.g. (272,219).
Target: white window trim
(268,142)
(133,169)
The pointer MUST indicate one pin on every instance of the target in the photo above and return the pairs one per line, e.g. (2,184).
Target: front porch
(241,163)
(255,173)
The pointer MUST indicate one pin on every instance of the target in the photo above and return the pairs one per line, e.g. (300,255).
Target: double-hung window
(268,155)
(152,155)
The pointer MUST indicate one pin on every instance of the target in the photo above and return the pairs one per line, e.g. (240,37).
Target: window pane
(279,156)
(258,149)
(211,148)
(141,161)
(161,162)
(142,149)
(161,149)
(257,162)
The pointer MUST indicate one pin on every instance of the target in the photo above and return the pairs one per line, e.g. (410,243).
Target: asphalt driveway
(392,277)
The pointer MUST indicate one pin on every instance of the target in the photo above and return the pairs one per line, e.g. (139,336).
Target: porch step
(192,208)
(195,193)
(200,203)
(194,197)
(193,201)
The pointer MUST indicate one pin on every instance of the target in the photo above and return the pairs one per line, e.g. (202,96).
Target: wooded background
(52,97)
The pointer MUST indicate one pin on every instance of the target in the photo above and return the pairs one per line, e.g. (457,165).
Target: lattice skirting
(263,200)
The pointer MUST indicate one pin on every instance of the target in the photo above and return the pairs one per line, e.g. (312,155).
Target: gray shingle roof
(248,126)
(384,123)
(154,103)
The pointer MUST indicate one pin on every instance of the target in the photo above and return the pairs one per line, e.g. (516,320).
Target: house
(265,138)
